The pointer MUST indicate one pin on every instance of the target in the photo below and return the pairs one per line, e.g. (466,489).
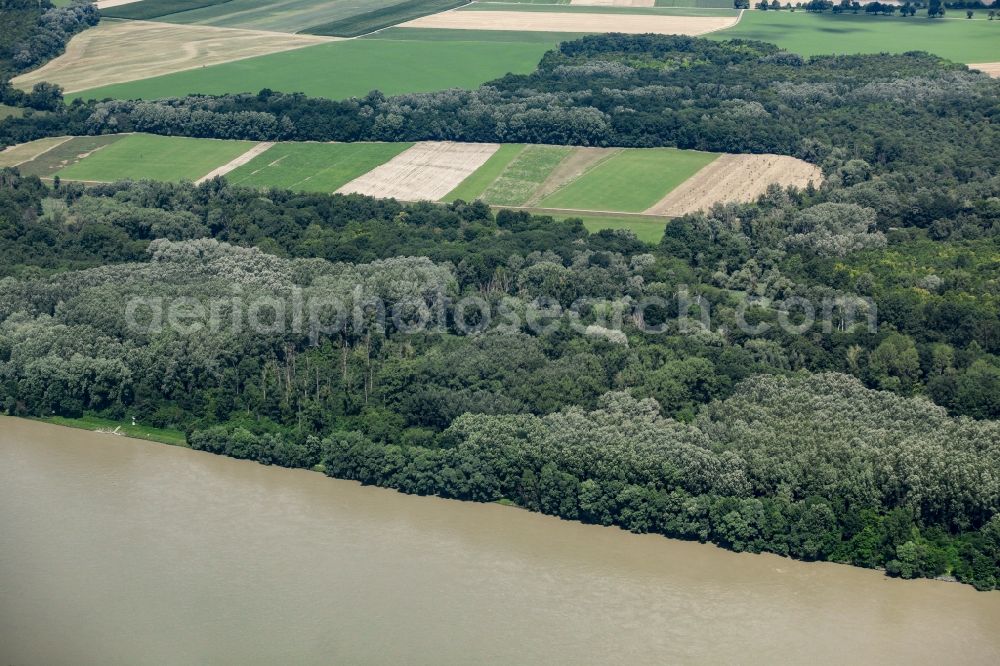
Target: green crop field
(138,156)
(66,154)
(314,167)
(631,181)
(808,34)
(151,9)
(348,68)
(284,16)
(525,173)
(383,17)
(472,187)
(648,231)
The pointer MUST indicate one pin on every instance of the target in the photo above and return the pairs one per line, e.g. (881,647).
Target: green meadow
(139,156)
(631,181)
(313,167)
(347,69)
(808,34)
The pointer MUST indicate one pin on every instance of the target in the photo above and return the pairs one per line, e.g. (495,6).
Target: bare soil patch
(426,172)
(115,52)
(991,68)
(574,22)
(735,178)
(575,165)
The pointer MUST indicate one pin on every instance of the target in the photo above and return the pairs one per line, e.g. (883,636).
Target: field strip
(108,4)
(574,22)
(426,172)
(991,68)
(596,3)
(25,152)
(735,178)
(577,163)
(131,50)
(237,162)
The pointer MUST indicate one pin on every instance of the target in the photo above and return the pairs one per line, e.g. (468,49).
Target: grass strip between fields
(384,17)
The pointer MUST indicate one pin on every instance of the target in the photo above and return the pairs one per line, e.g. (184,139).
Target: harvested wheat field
(735,178)
(590,3)
(128,51)
(991,68)
(25,152)
(426,172)
(574,22)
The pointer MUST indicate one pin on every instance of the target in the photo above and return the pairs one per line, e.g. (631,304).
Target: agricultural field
(150,9)
(26,152)
(139,156)
(289,16)
(426,172)
(572,19)
(576,8)
(118,51)
(314,167)
(633,185)
(349,68)
(378,19)
(629,181)
(472,187)
(516,184)
(62,153)
(735,178)
(960,40)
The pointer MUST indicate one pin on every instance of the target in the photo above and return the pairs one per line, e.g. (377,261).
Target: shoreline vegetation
(171,437)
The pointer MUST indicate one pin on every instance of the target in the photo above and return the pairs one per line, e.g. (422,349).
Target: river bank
(160,554)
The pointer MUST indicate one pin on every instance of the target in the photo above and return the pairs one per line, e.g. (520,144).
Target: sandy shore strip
(574,22)
(116,52)
(238,162)
(735,178)
(426,172)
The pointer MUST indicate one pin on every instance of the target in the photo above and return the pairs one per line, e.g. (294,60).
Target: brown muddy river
(116,551)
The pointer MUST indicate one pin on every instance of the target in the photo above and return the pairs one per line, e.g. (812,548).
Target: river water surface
(117,551)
